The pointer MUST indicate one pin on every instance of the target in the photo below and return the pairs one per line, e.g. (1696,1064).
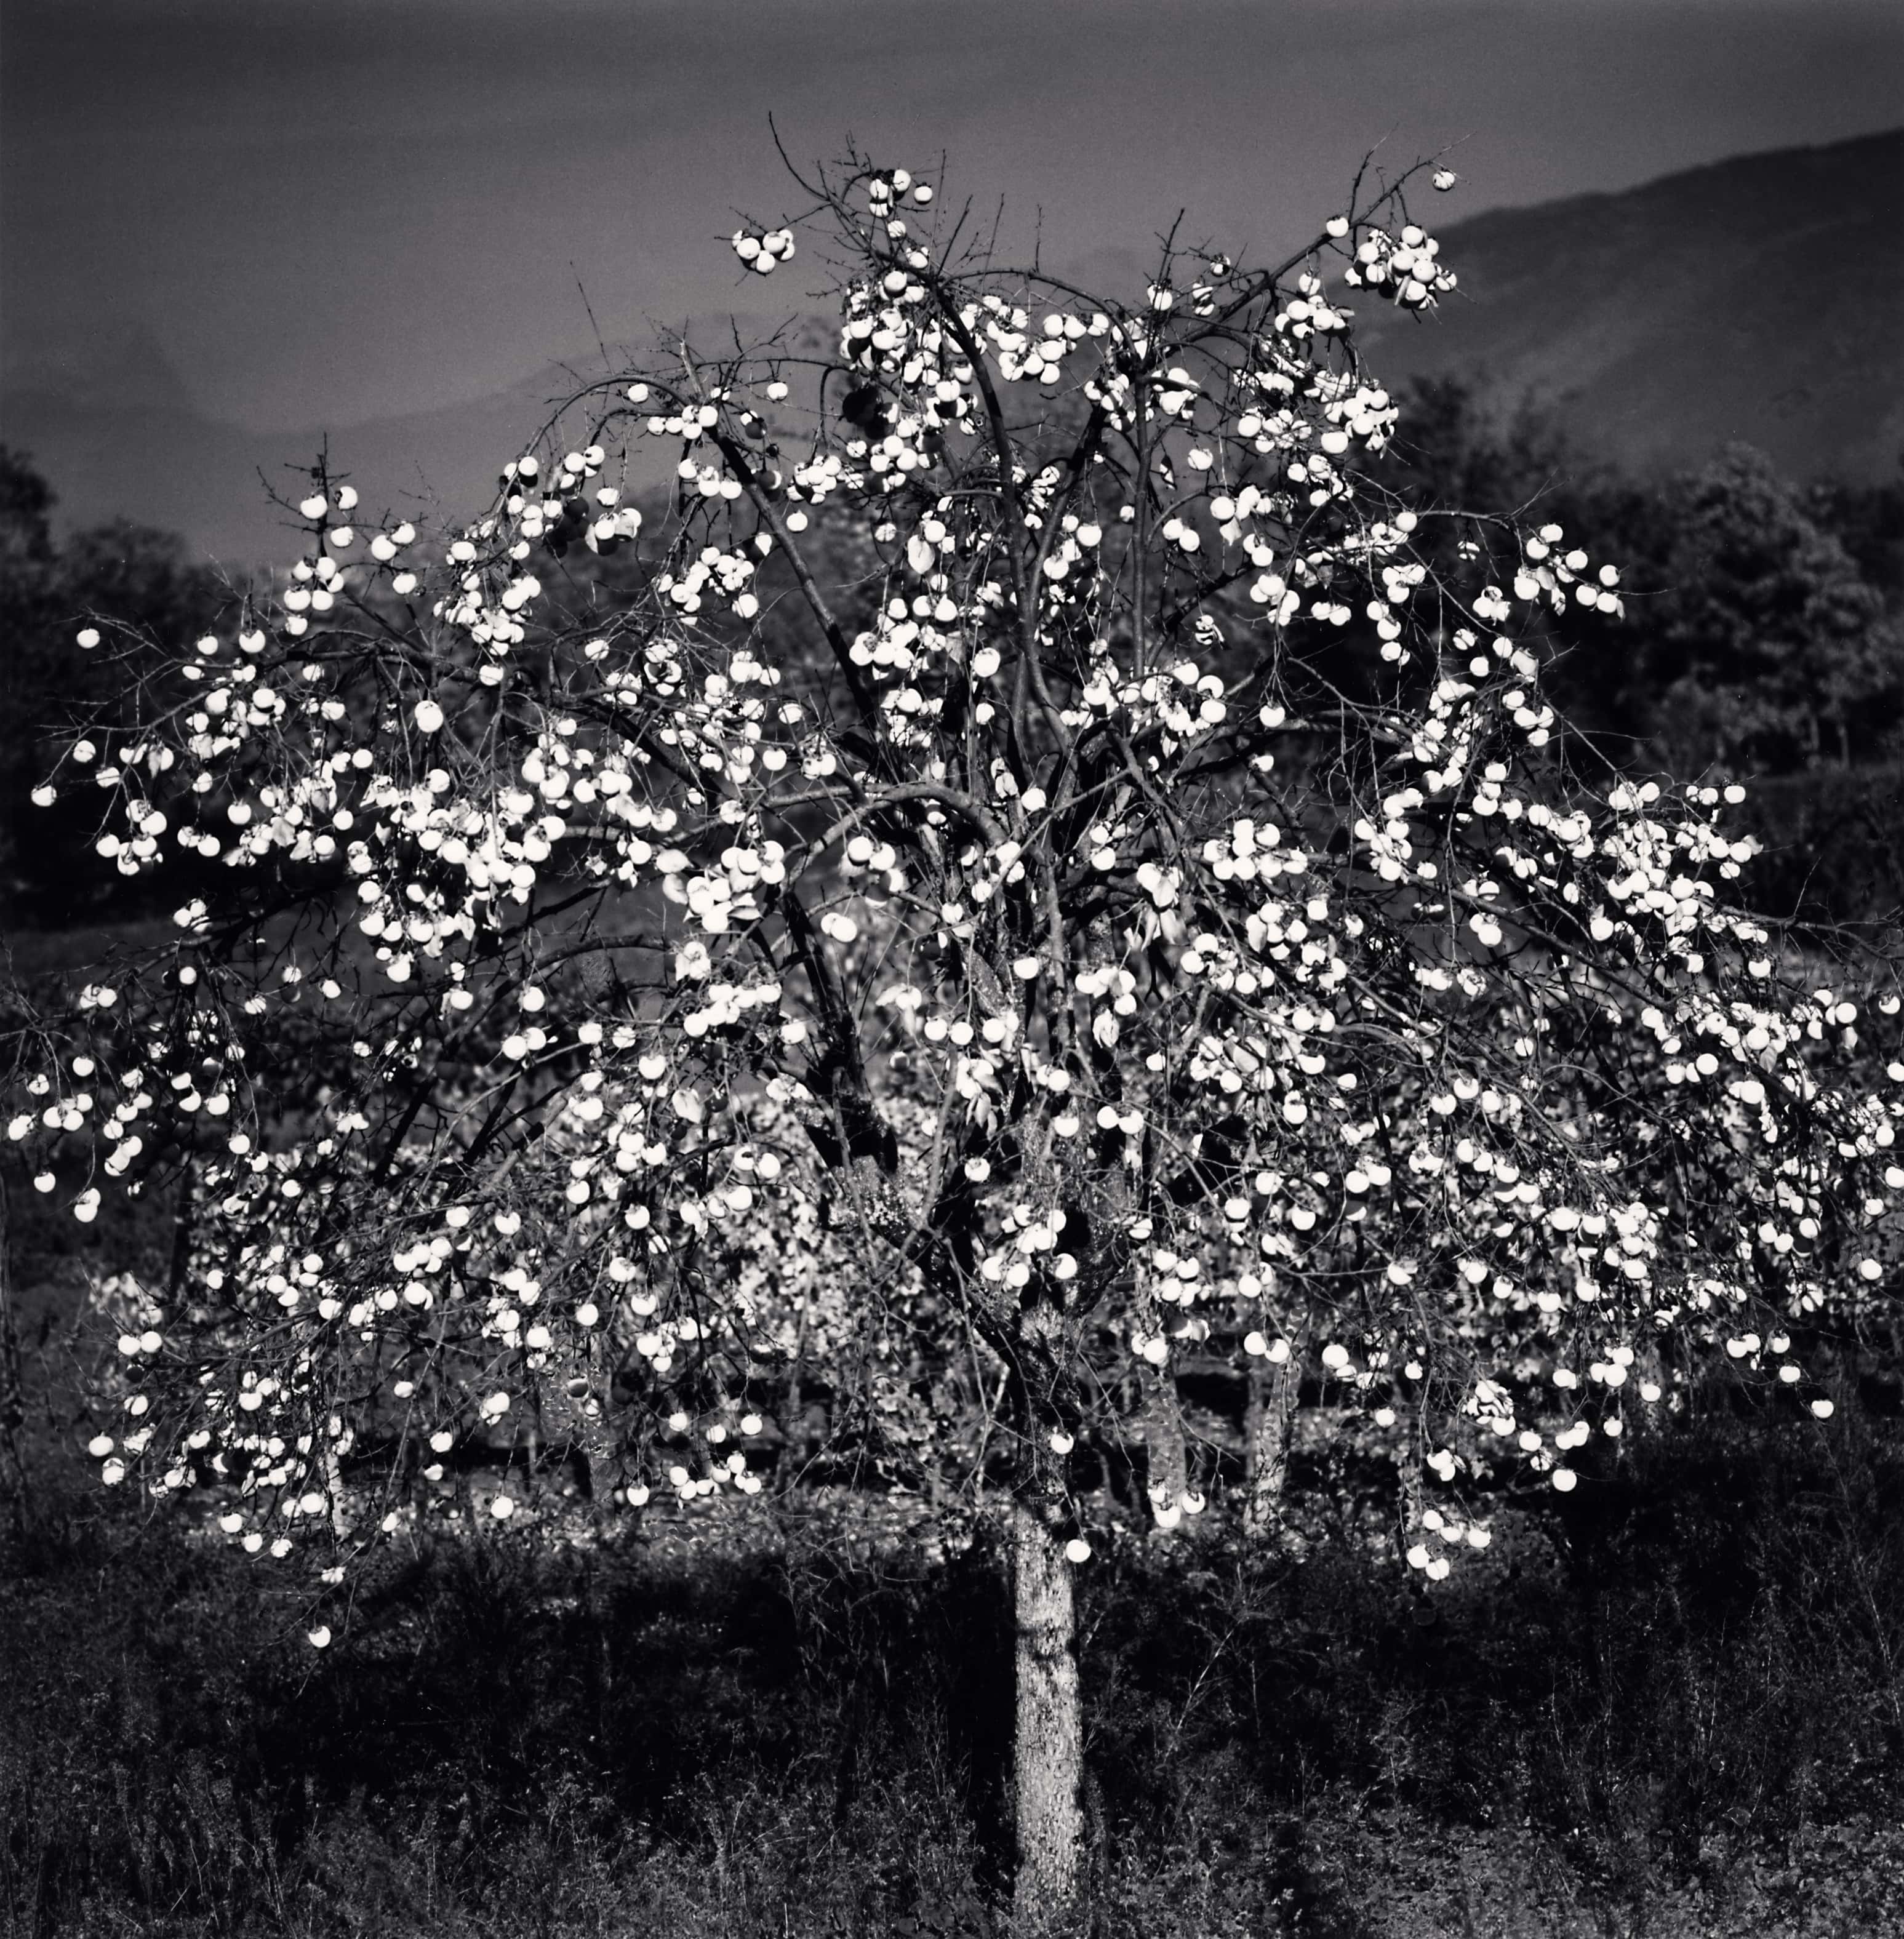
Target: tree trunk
(791,1459)
(1166,1465)
(334,1492)
(1647,1417)
(1409,1499)
(1048,1755)
(1268,1427)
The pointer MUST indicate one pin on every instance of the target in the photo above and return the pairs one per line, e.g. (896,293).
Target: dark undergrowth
(1674,1703)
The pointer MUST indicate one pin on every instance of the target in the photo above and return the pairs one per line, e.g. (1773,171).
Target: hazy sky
(324,210)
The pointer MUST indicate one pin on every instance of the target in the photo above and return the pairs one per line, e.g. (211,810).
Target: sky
(321,211)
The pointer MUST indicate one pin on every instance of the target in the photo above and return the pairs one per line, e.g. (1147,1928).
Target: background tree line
(1764,638)
(143,580)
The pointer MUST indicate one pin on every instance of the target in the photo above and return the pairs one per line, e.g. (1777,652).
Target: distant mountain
(156,459)
(120,437)
(1759,299)
(98,363)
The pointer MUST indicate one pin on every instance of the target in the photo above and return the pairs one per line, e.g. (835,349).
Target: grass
(1671,1704)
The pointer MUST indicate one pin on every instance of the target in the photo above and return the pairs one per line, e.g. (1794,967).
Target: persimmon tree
(1020,871)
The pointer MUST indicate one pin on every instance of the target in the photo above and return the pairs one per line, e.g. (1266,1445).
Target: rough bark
(1409,1499)
(1268,1425)
(334,1491)
(1048,1744)
(1166,1464)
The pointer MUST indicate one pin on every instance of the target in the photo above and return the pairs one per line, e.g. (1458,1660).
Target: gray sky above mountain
(319,211)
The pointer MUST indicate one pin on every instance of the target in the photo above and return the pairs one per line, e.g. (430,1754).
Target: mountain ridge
(1711,333)
(1655,324)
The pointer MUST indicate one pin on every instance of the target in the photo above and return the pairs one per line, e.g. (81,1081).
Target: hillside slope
(157,460)
(1761,298)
